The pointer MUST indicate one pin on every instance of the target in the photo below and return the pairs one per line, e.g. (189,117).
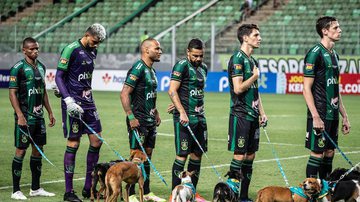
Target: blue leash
(277,159)
(147,157)
(337,147)
(212,165)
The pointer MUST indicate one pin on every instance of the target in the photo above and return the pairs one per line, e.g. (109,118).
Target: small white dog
(185,191)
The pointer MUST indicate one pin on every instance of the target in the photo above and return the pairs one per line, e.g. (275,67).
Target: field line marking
(204,167)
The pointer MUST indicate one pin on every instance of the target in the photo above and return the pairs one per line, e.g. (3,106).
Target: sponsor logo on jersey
(176,73)
(12,78)
(150,95)
(38,110)
(63,61)
(334,102)
(85,75)
(199,108)
(238,66)
(152,112)
(133,77)
(309,66)
(332,81)
(35,91)
(86,94)
(196,92)
(255,104)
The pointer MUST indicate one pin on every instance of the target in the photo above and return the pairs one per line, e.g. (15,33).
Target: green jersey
(29,80)
(191,91)
(143,98)
(246,104)
(323,66)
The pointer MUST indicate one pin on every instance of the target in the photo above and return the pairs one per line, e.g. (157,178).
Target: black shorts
(319,142)
(184,142)
(37,132)
(147,137)
(243,135)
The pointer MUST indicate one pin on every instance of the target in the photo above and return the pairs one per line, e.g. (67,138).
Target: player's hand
(171,108)
(184,120)
(256,72)
(134,123)
(72,108)
(21,120)
(318,125)
(56,91)
(345,126)
(157,118)
(52,120)
(263,120)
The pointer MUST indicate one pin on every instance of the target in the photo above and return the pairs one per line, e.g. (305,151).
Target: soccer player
(186,92)
(28,97)
(245,105)
(73,78)
(321,93)
(138,98)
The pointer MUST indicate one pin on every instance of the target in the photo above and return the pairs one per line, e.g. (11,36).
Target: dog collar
(323,192)
(143,172)
(191,186)
(234,184)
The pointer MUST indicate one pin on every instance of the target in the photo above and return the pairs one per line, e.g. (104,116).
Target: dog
(229,191)
(98,176)
(126,171)
(310,188)
(185,191)
(348,188)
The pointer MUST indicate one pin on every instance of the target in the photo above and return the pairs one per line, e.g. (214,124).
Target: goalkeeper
(73,78)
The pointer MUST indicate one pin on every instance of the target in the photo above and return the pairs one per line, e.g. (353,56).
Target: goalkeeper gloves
(72,108)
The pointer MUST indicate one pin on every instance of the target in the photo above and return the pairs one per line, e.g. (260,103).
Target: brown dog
(311,187)
(128,172)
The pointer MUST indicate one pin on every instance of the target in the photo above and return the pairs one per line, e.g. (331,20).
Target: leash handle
(276,158)
(197,142)
(338,148)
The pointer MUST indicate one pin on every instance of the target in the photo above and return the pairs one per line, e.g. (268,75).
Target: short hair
(28,40)
(245,30)
(324,23)
(196,44)
(97,30)
(147,40)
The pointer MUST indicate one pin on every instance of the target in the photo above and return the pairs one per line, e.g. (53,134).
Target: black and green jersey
(323,66)
(246,104)
(29,81)
(143,98)
(191,91)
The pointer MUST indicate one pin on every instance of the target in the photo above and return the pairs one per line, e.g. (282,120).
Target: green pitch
(286,128)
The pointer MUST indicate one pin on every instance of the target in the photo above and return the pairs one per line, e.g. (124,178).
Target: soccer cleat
(133,198)
(71,196)
(18,196)
(199,198)
(152,197)
(40,192)
(87,194)
(246,200)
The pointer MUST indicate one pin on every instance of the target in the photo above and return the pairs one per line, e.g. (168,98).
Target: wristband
(131,117)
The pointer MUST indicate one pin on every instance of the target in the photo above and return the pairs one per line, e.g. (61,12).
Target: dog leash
(276,158)
(212,165)
(343,175)
(337,147)
(147,157)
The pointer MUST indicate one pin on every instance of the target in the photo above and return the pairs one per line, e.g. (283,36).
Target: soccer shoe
(87,193)
(40,192)
(133,198)
(199,198)
(18,196)
(152,197)
(246,200)
(71,196)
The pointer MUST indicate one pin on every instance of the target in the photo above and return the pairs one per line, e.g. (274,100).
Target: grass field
(286,128)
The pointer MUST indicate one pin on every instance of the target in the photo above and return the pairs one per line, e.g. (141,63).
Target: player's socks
(325,167)
(194,165)
(16,172)
(147,181)
(312,167)
(35,167)
(177,168)
(91,161)
(247,169)
(69,167)
(235,164)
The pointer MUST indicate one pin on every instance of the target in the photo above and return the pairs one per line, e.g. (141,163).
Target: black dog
(98,175)
(348,187)
(226,192)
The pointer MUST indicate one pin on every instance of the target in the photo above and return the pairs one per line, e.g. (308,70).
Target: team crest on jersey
(12,78)
(238,66)
(63,61)
(184,144)
(241,142)
(176,73)
(75,127)
(321,143)
(309,66)
(133,77)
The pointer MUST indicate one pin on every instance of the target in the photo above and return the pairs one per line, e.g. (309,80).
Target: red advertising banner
(349,84)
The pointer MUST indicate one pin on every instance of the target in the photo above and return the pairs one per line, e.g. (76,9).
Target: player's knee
(20,152)
(196,155)
(329,153)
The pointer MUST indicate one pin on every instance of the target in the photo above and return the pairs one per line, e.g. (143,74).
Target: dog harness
(142,168)
(190,186)
(323,192)
(234,184)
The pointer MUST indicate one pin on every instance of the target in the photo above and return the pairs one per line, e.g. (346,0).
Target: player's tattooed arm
(345,121)
(125,98)
(174,96)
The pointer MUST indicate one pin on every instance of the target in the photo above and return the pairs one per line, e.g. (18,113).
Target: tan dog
(311,187)
(128,172)
(184,191)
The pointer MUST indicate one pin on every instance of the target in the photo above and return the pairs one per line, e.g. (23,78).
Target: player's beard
(196,63)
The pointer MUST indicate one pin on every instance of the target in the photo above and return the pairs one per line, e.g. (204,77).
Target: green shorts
(37,132)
